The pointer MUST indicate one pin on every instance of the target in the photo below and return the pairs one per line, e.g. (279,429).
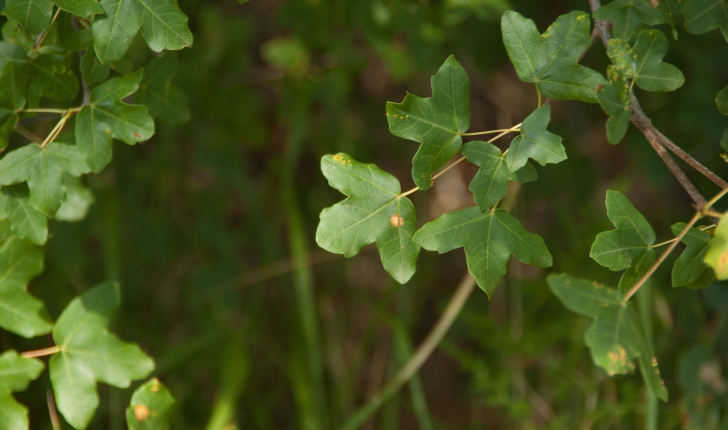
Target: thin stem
(52,412)
(56,130)
(28,134)
(539,96)
(713,214)
(45,33)
(667,242)
(516,127)
(662,258)
(695,164)
(445,170)
(712,201)
(48,110)
(41,352)
(478,133)
(420,356)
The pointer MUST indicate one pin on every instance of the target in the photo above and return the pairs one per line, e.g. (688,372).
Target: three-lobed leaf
(150,407)
(717,254)
(25,221)
(33,15)
(702,16)
(643,62)
(615,337)
(628,15)
(161,22)
(614,98)
(435,122)
(16,372)
(490,184)
(690,270)
(43,169)
(89,353)
(489,239)
(535,142)
(550,60)
(107,118)
(373,212)
(619,249)
(21,313)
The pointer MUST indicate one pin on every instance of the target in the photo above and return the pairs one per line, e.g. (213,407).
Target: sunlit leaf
(89,353)
(434,122)
(78,201)
(489,239)
(618,249)
(615,338)
(373,212)
(16,372)
(150,407)
(628,15)
(108,118)
(550,60)
(535,142)
(162,24)
(643,62)
(690,269)
(717,255)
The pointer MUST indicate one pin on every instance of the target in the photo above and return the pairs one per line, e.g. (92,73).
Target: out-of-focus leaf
(489,239)
(52,78)
(156,90)
(16,372)
(618,249)
(690,269)
(550,60)
(701,16)
(717,254)
(92,71)
(628,15)
(25,220)
(78,201)
(373,212)
(107,118)
(721,100)
(162,24)
(150,406)
(13,85)
(43,168)
(535,142)
(21,313)
(33,15)
(288,54)
(615,338)
(89,353)
(615,100)
(434,122)
(643,62)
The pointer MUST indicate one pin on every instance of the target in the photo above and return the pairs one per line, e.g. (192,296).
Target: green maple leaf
(535,142)
(78,200)
(33,15)
(615,338)
(702,16)
(16,372)
(489,239)
(628,15)
(92,71)
(490,184)
(373,212)
(107,118)
(82,8)
(434,122)
(13,85)
(550,60)
(690,269)
(25,221)
(643,62)
(614,97)
(89,353)
(717,255)
(721,100)
(161,22)
(43,169)
(51,77)
(619,249)
(21,313)
(150,407)
(639,266)
(165,101)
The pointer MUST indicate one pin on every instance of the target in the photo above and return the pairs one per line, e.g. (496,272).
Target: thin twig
(52,412)
(28,134)
(41,352)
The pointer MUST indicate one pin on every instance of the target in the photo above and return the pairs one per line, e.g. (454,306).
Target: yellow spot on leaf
(397,221)
(141,412)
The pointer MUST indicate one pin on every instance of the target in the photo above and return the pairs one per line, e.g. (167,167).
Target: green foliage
(717,254)
(373,212)
(150,407)
(643,62)
(550,60)
(489,239)
(614,98)
(689,269)
(16,372)
(435,122)
(535,142)
(702,16)
(721,100)
(628,15)
(89,353)
(615,338)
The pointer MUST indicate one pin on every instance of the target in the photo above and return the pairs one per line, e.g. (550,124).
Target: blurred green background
(209,227)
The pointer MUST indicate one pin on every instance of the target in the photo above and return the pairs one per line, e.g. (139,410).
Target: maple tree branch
(41,352)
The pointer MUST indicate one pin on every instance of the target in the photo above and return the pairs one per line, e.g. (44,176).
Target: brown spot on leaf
(137,135)
(141,412)
(397,221)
